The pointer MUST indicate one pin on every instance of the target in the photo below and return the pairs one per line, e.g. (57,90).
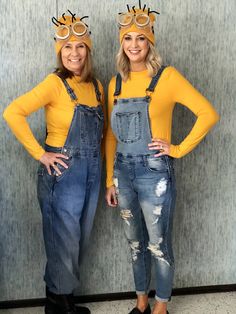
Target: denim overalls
(68,202)
(146,192)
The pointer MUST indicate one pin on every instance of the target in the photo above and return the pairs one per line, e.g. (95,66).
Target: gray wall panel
(24,63)
(196,37)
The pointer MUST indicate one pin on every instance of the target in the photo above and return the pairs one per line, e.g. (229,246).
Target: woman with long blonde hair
(139,153)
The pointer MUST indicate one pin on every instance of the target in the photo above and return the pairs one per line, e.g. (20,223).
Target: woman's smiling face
(136,47)
(73,56)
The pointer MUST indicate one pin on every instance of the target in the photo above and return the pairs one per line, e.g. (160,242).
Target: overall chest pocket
(128,126)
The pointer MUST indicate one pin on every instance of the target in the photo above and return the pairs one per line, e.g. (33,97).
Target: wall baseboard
(118,296)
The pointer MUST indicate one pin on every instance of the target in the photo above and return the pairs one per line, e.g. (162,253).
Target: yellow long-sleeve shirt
(59,108)
(172,88)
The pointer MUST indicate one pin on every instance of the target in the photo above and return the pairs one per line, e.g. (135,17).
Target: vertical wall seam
(57,9)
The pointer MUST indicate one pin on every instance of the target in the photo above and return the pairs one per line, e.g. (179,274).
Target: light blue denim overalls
(68,202)
(146,192)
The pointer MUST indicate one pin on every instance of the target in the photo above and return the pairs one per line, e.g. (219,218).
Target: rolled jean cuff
(161,299)
(141,292)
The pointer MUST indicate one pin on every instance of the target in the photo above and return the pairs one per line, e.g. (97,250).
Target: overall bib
(68,202)
(146,192)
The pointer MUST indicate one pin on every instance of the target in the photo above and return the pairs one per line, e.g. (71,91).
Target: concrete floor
(215,303)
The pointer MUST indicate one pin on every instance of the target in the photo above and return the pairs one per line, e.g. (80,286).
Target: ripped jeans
(146,195)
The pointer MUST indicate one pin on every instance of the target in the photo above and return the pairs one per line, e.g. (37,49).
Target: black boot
(135,310)
(62,304)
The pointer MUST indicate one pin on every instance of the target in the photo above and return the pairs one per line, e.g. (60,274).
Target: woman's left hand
(161,145)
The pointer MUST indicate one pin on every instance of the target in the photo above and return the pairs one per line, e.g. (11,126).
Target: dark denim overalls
(68,202)
(146,192)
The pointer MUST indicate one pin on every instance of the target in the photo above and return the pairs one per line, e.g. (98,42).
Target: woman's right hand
(111,196)
(51,160)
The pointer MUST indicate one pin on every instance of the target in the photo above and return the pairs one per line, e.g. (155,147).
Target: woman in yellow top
(69,174)
(138,146)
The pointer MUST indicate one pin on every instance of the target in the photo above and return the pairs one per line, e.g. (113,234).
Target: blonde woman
(139,153)
(69,174)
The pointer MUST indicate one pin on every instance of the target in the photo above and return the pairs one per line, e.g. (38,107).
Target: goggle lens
(125,19)
(62,32)
(79,28)
(142,20)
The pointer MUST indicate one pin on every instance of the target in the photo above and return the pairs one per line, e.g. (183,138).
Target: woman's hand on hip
(111,196)
(51,160)
(161,145)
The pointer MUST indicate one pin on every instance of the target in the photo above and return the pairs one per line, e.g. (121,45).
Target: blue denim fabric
(68,202)
(146,195)
(130,124)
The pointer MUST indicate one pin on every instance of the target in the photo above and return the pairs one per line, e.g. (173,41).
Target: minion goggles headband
(78,29)
(141,19)
(63,31)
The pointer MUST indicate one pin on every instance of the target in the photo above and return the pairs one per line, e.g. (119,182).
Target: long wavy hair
(153,62)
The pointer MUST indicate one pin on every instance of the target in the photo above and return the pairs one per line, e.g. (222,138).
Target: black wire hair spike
(56,22)
(144,7)
(148,11)
(140,6)
(73,15)
(84,17)
(90,33)
(86,24)
(134,9)
(120,13)
(63,16)
(154,12)
(128,7)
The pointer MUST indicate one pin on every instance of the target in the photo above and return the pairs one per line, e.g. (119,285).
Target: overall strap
(151,86)
(97,91)
(118,85)
(155,79)
(70,90)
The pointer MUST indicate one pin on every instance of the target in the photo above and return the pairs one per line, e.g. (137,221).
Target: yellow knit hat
(70,28)
(139,20)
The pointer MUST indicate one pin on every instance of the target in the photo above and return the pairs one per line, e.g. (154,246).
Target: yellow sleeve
(184,93)
(16,113)
(110,141)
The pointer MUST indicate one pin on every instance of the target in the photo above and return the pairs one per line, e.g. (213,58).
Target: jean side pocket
(63,170)
(157,164)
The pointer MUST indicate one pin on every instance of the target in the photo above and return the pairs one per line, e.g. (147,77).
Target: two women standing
(139,154)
